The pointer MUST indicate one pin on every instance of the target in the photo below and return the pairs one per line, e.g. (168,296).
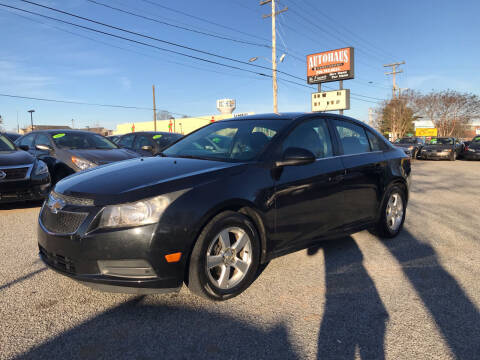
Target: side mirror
(296,156)
(24,147)
(43,147)
(147,148)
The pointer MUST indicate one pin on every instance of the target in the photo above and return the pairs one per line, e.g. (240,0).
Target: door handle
(337,178)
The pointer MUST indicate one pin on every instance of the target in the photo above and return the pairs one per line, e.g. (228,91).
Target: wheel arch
(241,206)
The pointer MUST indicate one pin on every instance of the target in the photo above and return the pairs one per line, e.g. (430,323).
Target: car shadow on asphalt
(140,330)
(23,278)
(354,317)
(455,315)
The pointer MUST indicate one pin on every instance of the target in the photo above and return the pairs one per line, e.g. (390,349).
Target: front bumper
(471,155)
(435,155)
(77,256)
(25,190)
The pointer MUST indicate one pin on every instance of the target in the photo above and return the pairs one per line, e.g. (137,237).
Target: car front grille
(62,222)
(15,173)
(58,261)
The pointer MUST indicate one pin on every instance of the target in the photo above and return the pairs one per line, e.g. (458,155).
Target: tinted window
(27,141)
(140,141)
(163,140)
(406,141)
(441,141)
(238,140)
(78,140)
(375,143)
(126,140)
(6,144)
(352,137)
(42,139)
(312,135)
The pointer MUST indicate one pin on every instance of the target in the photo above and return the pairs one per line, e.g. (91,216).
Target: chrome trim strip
(27,175)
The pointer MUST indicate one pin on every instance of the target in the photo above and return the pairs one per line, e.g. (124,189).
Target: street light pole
(31,117)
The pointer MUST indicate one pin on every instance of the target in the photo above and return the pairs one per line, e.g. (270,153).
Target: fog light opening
(132,268)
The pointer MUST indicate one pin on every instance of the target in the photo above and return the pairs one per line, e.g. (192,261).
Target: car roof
(54,131)
(292,116)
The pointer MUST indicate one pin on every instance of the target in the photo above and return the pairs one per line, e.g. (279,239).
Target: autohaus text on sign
(333,65)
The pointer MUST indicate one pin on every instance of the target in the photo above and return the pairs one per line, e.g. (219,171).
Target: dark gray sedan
(442,148)
(69,151)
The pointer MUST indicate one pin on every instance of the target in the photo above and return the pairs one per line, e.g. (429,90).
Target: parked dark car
(411,145)
(148,143)
(69,151)
(113,138)
(442,148)
(22,177)
(12,136)
(472,150)
(210,216)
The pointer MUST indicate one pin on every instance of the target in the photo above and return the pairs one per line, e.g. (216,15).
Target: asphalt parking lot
(414,297)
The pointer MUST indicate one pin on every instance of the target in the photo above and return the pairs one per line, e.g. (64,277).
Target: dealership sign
(333,65)
(426,132)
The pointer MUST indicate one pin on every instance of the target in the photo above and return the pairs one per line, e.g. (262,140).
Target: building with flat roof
(177,125)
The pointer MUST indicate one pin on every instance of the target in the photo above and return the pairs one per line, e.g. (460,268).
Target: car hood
(18,157)
(438,147)
(135,179)
(101,157)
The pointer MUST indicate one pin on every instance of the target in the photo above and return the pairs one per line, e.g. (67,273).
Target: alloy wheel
(229,257)
(394,211)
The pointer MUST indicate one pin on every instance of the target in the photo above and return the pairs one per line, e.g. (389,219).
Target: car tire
(392,214)
(225,258)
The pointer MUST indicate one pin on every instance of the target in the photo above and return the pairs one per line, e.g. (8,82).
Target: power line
(136,41)
(144,36)
(203,20)
(177,26)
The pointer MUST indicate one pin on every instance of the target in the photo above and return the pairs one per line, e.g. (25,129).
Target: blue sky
(42,58)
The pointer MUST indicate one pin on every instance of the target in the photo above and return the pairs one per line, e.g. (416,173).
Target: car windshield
(405,141)
(78,140)
(165,139)
(441,141)
(5,144)
(239,140)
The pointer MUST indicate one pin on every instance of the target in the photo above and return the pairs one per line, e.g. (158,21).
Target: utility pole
(394,72)
(274,49)
(154,110)
(73,124)
(31,117)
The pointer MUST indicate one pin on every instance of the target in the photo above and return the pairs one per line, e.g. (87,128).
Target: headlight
(472,150)
(134,214)
(41,168)
(410,148)
(82,164)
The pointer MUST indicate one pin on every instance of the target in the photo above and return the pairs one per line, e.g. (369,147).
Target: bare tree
(394,117)
(450,111)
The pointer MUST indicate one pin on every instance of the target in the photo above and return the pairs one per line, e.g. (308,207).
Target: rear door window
(375,143)
(353,138)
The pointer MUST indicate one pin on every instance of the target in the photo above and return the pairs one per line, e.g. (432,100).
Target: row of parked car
(449,148)
(29,164)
